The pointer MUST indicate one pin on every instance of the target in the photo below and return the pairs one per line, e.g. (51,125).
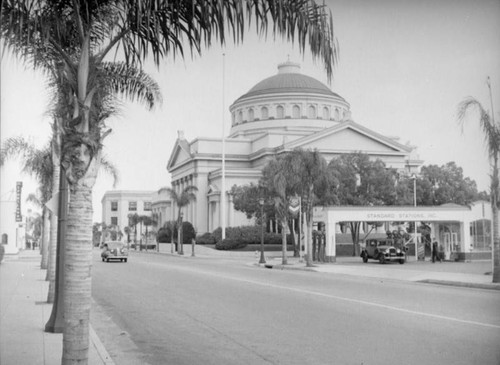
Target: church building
(280,113)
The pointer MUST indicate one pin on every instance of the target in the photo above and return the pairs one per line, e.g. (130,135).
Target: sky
(404,67)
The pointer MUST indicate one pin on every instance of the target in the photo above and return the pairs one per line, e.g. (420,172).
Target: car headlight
(398,250)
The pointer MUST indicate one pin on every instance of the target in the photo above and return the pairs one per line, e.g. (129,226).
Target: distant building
(12,224)
(118,204)
(280,113)
(161,208)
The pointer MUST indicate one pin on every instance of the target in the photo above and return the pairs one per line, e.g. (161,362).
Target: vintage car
(114,250)
(383,251)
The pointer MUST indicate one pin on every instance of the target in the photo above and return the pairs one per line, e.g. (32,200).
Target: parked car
(2,251)
(114,250)
(383,251)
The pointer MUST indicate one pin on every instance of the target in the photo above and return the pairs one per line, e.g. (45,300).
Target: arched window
(311,112)
(280,112)
(337,114)
(240,117)
(250,115)
(264,113)
(326,113)
(296,111)
(233,118)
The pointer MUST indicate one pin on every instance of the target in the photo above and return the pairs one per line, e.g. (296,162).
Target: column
(331,242)
(465,244)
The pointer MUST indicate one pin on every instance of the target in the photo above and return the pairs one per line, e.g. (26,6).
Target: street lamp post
(414,178)
(262,259)
(180,250)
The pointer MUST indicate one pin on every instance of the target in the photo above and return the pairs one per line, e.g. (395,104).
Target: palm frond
(490,129)
(131,82)
(16,147)
(111,170)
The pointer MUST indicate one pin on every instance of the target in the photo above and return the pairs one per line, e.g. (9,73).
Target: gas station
(454,226)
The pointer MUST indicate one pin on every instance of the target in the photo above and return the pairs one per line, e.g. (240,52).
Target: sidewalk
(24,311)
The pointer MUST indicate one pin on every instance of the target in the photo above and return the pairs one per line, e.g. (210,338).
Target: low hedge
(205,239)
(229,244)
(247,235)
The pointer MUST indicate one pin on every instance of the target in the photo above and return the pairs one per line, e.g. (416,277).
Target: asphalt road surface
(159,309)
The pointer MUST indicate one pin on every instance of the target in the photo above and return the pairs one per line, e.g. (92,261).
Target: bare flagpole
(223,182)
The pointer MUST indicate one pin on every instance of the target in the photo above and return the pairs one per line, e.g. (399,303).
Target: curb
(101,350)
(461,284)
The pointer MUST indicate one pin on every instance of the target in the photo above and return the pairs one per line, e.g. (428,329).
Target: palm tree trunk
(309,240)
(51,270)
(77,271)
(496,245)
(283,242)
(45,239)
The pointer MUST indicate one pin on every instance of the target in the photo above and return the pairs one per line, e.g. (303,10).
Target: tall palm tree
(180,199)
(133,221)
(491,131)
(147,221)
(299,172)
(72,38)
(37,226)
(36,162)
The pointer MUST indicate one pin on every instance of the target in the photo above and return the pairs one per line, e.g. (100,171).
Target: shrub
(229,244)
(205,239)
(164,234)
(249,235)
(188,232)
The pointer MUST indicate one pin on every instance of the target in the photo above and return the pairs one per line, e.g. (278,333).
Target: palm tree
(71,38)
(147,221)
(133,221)
(277,179)
(492,138)
(299,172)
(181,199)
(37,163)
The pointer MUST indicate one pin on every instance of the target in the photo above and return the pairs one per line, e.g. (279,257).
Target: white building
(280,113)
(118,204)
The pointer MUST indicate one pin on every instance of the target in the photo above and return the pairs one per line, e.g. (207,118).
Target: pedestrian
(435,253)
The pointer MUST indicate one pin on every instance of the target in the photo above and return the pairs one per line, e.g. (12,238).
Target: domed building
(286,111)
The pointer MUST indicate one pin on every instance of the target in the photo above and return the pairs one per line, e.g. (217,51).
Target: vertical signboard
(19,187)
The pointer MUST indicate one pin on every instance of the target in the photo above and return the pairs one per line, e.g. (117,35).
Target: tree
(299,172)
(491,131)
(147,221)
(133,221)
(362,182)
(445,184)
(72,38)
(37,163)
(313,185)
(181,199)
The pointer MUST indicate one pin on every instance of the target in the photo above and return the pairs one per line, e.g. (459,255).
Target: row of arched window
(262,113)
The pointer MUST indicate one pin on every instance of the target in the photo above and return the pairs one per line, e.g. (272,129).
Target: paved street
(160,309)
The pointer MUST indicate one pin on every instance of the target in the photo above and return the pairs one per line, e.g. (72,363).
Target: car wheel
(102,258)
(365,258)
(107,260)
(125,260)
(382,259)
(402,261)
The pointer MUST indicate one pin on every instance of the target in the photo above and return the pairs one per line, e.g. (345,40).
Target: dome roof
(289,79)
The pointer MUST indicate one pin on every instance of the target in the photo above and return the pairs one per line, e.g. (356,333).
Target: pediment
(180,153)
(349,137)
